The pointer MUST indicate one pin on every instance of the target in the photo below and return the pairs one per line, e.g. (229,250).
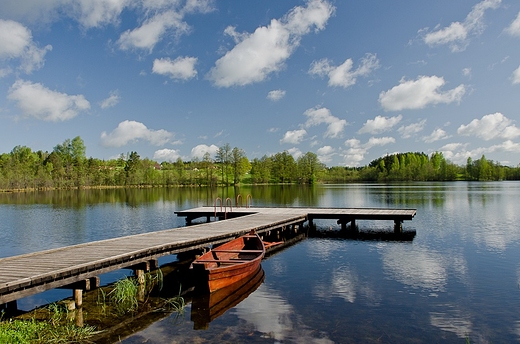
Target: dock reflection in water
(206,308)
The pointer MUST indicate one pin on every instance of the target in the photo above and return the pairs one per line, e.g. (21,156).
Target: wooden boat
(206,308)
(229,262)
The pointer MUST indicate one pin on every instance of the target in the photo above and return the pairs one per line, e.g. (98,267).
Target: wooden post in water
(139,272)
(9,307)
(398,227)
(78,297)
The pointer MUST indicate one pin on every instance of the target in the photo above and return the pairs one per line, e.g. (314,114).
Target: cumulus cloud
(182,68)
(89,13)
(295,152)
(275,95)
(417,94)
(356,151)
(111,101)
(410,130)
(132,131)
(458,153)
(514,28)
(293,136)
(436,135)
(516,76)
(97,13)
(379,124)
(152,31)
(325,154)
(457,34)
(35,100)
(343,75)
(319,115)
(162,19)
(169,155)
(490,127)
(257,55)
(16,43)
(200,150)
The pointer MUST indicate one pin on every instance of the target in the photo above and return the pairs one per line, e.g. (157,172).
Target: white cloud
(455,152)
(466,72)
(490,127)
(295,152)
(14,38)
(506,146)
(514,28)
(325,154)
(436,135)
(35,100)
(162,19)
(200,150)
(458,153)
(516,76)
(257,55)
(131,131)
(181,68)
(411,129)
(111,101)
(319,115)
(96,13)
(343,75)
(89,13)
(419,93)
(356,151)
(379,124)
(169,155)
(152,31)
(294,136)
(16,43)
(276,95)
(457,33)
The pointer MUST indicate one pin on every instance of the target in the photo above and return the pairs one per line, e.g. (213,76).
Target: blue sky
(348,80)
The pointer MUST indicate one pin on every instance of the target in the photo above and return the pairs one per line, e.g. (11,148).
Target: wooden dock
(78,267)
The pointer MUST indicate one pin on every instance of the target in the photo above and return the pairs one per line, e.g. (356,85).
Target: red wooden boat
(207,307)
(229,262)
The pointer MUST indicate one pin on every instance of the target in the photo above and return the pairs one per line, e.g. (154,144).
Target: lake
(458,278)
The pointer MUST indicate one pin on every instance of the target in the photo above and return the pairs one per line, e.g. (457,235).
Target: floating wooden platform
(78,265)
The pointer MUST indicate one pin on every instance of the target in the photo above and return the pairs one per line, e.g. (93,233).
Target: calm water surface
(458,278)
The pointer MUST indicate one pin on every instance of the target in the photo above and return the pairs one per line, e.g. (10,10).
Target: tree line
(68,167)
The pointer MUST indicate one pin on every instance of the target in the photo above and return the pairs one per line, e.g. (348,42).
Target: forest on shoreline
(68,167)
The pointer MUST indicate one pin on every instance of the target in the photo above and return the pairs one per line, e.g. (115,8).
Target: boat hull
(229,263)
(206,308)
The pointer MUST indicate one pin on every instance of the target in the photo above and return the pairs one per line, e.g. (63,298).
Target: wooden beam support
(86,284)
(398,227)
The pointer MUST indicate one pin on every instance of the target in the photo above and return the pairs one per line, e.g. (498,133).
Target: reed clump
(32,331)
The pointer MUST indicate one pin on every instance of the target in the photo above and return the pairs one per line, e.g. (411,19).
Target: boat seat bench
(221,261)
(237,251)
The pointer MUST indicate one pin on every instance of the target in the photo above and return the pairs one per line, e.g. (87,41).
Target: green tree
(239,164)
(132,168)
(309,167)
(283,167)
(223,157)
(261,169)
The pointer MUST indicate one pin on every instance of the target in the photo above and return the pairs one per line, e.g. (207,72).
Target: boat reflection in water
(206,308)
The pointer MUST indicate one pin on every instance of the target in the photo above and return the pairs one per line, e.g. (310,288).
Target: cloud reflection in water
(420,267)
(272,315)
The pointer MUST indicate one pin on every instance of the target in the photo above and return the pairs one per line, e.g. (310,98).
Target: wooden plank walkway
(341,214)
(32,273)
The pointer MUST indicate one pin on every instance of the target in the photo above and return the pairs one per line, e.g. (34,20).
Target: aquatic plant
(35,332)
(124,295)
